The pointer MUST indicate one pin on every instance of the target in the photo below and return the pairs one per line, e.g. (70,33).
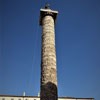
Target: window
(3,98)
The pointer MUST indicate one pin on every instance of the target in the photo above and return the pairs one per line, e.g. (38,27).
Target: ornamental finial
(47,6)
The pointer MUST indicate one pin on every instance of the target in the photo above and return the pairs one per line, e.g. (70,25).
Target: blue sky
(77,45)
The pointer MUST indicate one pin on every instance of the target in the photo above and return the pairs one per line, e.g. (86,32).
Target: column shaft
(48,63)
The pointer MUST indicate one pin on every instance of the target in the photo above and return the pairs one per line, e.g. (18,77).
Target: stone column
(48,58)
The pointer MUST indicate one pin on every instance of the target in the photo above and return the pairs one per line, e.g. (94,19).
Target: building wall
(37,98)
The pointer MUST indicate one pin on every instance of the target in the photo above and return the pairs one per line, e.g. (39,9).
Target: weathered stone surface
(48,61)
(48,49)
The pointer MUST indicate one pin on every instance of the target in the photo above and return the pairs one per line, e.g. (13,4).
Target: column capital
(45,12)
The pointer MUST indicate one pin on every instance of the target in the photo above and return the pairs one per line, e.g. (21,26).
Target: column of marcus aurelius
(48,89)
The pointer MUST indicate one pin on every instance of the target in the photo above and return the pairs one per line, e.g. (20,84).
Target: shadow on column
(49,92)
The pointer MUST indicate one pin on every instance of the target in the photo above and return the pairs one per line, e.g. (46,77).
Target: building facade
(11,97)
